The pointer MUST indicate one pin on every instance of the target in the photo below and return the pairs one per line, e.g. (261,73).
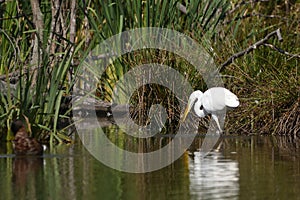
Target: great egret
(211,102)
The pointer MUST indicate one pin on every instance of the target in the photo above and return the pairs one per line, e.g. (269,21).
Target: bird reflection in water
(213,176)
(28,162)
(26,172)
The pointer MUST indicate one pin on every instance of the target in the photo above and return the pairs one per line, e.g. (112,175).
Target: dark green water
(242,168)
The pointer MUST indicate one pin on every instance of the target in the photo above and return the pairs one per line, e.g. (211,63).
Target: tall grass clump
(267,79)
(34,68)
(43,44)
(198,19)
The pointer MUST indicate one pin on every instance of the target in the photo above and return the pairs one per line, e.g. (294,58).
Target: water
(239,168)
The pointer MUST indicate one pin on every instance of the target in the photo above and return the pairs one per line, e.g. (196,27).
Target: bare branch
(252,47)
(38,20)
(54,26)
(282,51)
(17,72)
(73,23)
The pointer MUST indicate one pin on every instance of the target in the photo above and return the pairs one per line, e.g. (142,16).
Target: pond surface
(257,167)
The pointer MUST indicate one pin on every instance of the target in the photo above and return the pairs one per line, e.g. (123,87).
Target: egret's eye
(201,107)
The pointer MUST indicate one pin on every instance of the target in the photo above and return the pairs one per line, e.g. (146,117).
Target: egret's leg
(217,121)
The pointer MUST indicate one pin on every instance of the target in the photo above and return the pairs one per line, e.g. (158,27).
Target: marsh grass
(199,21)
(33,90)
(38,99)
(265,80)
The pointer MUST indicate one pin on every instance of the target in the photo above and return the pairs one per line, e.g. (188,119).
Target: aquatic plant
(266,78)
(35,63)
(43,43)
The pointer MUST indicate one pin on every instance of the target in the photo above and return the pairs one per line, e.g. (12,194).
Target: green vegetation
(267,79)
(43,43)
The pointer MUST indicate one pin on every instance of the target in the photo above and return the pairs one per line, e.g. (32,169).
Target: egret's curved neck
(197,97)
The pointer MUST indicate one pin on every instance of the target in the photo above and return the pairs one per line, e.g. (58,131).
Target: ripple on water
(213,177)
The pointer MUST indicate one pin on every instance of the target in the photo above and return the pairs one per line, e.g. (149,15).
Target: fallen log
(91,105)
(4,87)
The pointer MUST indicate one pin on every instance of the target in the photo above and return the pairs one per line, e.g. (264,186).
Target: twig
(17,73)
(104,56)
(281,50)
(182,8)
(256,15)
(244,3)
(270,16)
(251,48)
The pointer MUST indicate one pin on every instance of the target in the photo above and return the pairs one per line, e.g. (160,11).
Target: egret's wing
(231,100)
(213,99)
(217,98)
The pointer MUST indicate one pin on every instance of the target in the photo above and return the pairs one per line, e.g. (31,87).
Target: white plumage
(210,102)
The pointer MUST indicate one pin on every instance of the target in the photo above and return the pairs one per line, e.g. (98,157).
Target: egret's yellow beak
(186,112)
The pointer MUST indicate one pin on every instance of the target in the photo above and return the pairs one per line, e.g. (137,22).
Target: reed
(266,79)
(33,89)
(198,20)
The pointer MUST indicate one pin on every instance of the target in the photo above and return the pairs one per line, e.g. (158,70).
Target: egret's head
(195,96)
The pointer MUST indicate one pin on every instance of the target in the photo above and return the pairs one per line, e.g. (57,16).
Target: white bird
(211,102)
